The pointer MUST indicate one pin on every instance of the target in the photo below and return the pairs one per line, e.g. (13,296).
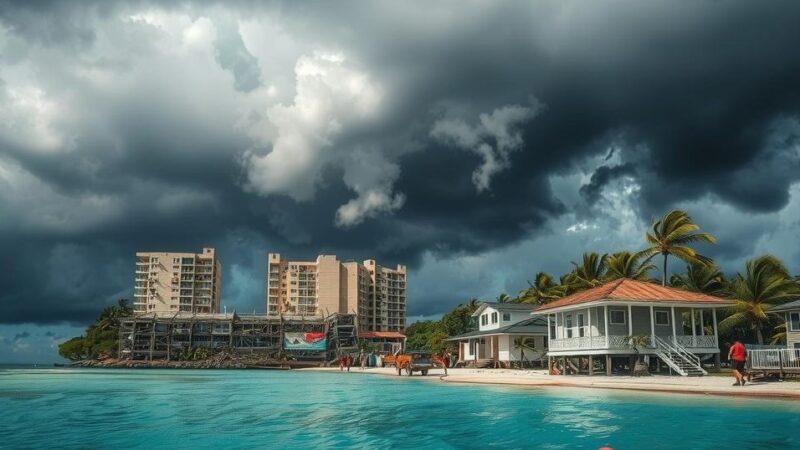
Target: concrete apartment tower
(327,286)
(168,282)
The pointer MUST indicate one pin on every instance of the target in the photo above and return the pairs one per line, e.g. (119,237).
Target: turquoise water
(93,408)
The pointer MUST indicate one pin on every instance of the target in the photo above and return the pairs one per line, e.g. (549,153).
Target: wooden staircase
(679,358)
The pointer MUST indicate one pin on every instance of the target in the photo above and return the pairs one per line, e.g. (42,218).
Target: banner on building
(305,341)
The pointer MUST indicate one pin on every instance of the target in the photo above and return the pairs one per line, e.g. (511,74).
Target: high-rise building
(168,282)
(325,286)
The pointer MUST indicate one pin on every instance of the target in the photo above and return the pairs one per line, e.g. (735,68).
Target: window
(494,317)
(581,329)
(794,321)
(617,317)
(484,319)
(552,328)
(662,318)
(568,325)
(506,317)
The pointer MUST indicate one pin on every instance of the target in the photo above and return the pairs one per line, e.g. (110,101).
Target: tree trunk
(759,336)
(664,280)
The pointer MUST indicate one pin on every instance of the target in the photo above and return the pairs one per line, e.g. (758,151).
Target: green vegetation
(195,353)
(764,284)
(430,334)
(101,338)
(671,234)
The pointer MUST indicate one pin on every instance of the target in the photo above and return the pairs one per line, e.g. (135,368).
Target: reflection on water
(173,408)
(583,419)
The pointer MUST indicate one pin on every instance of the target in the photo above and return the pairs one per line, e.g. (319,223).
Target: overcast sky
(475,142)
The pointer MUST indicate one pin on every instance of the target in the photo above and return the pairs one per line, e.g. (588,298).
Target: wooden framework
(150,337)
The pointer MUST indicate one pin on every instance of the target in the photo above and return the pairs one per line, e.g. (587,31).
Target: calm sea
(94,408)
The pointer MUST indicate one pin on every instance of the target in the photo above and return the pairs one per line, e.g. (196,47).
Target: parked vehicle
(415,361)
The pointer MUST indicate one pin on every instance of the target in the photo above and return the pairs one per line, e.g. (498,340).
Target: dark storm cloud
(20,336)
(698,101)
(601,177)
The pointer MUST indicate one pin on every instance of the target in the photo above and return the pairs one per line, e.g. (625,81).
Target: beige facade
(325,286)
(168,282)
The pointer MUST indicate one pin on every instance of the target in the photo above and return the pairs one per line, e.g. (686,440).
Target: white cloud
(332,98)
(27,116)
(200,33)
(372,177)
(494,138)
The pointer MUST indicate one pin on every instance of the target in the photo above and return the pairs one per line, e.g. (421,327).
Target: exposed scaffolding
(150,336)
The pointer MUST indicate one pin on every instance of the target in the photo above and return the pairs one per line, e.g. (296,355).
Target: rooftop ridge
(633,290)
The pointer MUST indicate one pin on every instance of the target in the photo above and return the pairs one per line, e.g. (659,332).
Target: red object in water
(606,448)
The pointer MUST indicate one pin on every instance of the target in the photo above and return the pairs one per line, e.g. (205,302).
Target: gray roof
(791,306)
(534,325)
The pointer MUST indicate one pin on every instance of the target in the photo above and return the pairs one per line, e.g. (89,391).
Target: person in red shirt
(737,356)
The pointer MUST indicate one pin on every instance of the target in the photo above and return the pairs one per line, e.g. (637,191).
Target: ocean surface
(96,408)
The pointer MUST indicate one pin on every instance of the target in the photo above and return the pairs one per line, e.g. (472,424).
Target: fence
(782,360)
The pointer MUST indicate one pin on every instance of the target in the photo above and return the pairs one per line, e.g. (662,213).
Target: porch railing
(617,342)
(775,359)
(694,341)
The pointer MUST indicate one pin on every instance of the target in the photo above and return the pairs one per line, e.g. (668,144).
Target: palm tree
(628,265)
(567,284)
(636,342)
(670,236)
(764,284)
(522,343)
(705,278)
(779,338)
(503,298)
(589,273)
(543,289)
(110,316)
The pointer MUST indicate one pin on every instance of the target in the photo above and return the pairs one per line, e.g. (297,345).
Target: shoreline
(709,385)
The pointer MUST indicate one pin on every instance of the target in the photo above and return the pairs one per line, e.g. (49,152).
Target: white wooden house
(791,313)
(780,361)
(588,329)
(507,335)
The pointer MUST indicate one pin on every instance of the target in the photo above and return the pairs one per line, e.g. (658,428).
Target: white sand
(716,385)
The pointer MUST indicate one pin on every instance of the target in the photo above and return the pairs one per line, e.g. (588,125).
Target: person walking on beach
(362,360)
(341,362)
(737,356)
(349,362)
(445,361)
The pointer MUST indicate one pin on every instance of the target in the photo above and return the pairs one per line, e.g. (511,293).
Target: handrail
(665,352)
(680,351)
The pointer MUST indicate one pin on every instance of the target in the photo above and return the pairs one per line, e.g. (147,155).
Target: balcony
(617,342)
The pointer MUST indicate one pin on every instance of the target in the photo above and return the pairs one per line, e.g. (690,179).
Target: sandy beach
(709,385)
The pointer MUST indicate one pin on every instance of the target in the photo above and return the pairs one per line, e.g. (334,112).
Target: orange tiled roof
(639,291)
(381,335)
